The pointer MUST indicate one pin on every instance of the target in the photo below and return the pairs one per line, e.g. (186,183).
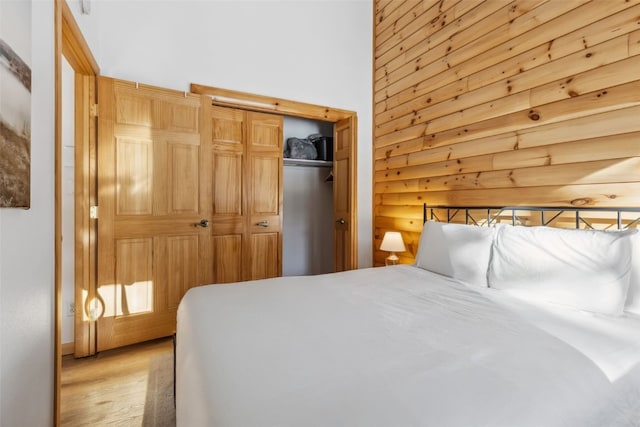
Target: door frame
(70,43)
(285,107)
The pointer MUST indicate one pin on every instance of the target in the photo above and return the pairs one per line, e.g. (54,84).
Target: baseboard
(68,348)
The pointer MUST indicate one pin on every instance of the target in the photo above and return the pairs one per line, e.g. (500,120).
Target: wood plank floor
(109,389)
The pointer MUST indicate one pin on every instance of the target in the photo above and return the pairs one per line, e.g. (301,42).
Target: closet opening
(307,223)
(342,125)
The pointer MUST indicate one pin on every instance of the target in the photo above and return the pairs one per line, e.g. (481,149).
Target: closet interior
(307,233)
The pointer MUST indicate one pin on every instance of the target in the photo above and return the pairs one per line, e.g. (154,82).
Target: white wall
(315,51)
(26,255)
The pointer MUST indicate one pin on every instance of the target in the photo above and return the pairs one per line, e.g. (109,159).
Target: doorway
(345,142)
(307,219)
(71,47)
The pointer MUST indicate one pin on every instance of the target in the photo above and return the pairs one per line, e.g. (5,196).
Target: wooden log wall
(497,102)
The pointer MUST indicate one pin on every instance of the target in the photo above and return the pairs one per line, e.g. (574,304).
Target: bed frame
(490,215)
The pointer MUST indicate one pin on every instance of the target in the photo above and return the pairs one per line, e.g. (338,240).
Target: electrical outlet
(71,308)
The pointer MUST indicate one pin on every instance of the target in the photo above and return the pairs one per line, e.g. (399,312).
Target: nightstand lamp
(392,242)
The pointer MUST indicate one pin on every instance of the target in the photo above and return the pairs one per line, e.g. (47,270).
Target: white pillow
(633,296)
(584,269)
(456,250)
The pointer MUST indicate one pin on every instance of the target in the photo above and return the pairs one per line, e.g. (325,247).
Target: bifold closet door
(344,196)
(264,195)
(228,212)
(247,194)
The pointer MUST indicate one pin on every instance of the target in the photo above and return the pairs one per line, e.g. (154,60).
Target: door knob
(341,221)
(204,224)
(264,223)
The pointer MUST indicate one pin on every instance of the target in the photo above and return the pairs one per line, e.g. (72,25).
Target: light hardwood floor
(109,389)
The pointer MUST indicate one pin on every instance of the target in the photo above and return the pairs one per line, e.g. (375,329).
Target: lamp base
(392,259)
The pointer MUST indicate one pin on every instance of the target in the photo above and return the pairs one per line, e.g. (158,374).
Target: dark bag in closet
(298,148)
(324,146)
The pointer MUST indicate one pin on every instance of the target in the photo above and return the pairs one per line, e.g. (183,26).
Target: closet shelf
(301,162)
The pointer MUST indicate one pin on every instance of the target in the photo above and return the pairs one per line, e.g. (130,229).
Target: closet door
(152,178)
(228,217)
(264,195)
(246,225)
(344,195)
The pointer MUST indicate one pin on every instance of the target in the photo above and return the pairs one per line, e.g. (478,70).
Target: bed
(487,328)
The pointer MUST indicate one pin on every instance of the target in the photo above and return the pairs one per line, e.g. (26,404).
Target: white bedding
(397,346)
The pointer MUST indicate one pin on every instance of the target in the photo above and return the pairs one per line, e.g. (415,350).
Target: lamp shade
(392,242)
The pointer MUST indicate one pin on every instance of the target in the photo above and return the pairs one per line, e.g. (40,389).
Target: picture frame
(15,104)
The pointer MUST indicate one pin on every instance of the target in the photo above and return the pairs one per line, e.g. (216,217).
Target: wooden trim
(74,46)
(85,228)
(267,104)
(57,233)
(354,192)
(375,11)
(67,348)
(69,41)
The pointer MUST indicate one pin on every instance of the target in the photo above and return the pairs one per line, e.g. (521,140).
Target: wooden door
(246,225)
(264,195)
(344,195)
(152,189)
(228,219)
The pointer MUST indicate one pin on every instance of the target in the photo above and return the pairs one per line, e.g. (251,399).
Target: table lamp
(392,242)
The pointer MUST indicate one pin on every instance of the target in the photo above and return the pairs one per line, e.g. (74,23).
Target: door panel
(134,176)
(264,262)
(182,265)
(132,292)
(265,185)
(132,109)
(227,220)
(344,197)
(227,258)
(228,163)
(227,183)
(227,127)
(265,131)
(179,118)
(151,171)
(264,196)
(184,178)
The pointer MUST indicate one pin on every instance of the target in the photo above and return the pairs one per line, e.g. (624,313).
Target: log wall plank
(415,20)
(471,74)
(434,27)
(568,68)
(462,145)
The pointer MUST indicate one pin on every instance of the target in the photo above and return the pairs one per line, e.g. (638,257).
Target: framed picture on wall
(15,104)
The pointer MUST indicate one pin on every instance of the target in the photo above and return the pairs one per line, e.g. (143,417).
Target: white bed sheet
(611,342)
(394,346)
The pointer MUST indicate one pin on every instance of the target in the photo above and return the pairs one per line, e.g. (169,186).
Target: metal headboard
(491,214)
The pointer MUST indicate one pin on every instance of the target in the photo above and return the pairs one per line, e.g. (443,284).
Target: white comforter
(394,346)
